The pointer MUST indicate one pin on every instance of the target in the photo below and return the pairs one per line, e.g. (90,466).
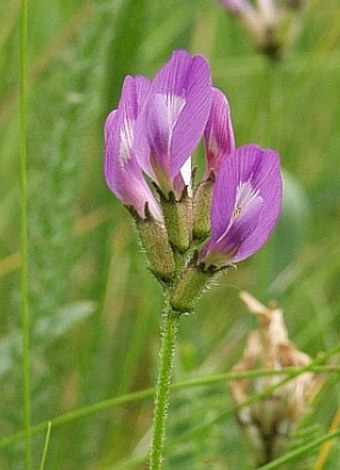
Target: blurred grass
(82,246)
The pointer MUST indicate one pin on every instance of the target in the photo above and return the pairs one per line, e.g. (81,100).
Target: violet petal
(122,172)
(175,114)
(219,134)
(246,204)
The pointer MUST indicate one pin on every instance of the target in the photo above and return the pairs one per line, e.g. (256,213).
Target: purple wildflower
(272,24)
(219,134)
(173,119)
(122,171)
(237,7)
(245,206)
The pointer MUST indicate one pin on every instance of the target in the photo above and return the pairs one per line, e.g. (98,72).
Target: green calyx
(155,241)
(189,286)
(178,219)
(201,208)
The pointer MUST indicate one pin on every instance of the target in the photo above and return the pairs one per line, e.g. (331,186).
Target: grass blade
(23,232)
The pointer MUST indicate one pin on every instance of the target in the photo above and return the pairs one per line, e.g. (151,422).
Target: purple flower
(122,171)
(219,134)
(173,119)
(236,6)
(245,206)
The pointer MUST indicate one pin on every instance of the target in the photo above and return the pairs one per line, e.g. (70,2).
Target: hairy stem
(166,356)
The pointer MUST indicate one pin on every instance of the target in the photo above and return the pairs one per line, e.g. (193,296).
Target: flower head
(246,203)
(151,135)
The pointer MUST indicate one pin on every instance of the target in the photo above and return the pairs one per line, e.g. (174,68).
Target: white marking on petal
(245,195)
(186,172)
(126,141)
(174,105)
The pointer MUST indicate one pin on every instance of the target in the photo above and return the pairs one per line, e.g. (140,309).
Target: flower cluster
(188,231)
(273,24)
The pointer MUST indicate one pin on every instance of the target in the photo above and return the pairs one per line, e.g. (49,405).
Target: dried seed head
(268,423)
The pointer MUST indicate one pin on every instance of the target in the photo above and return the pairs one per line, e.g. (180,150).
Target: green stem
(24,257)
(166,357)
(46,444)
